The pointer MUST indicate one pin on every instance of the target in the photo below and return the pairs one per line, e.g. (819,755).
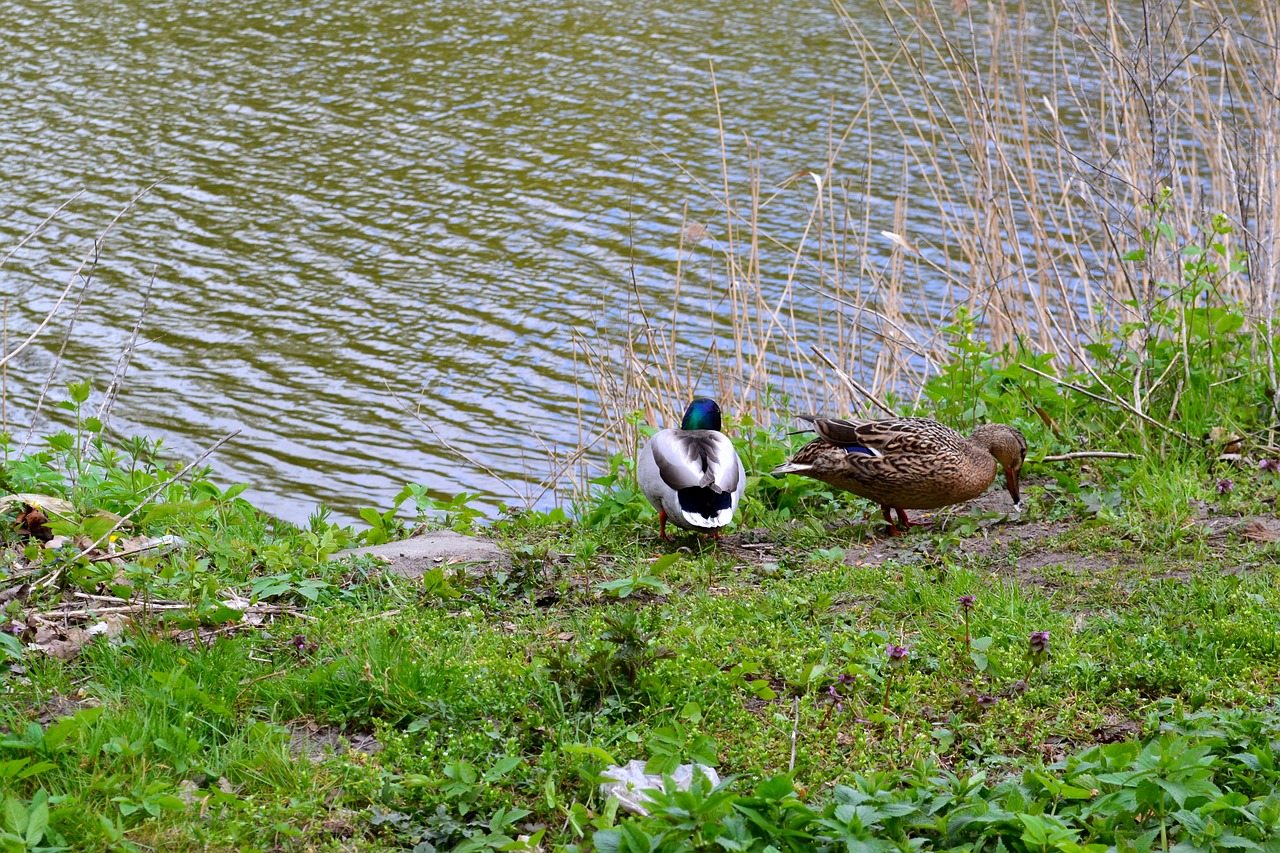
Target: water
(364,212)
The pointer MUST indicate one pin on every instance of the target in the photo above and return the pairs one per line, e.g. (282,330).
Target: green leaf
(10,646)
(664,562)
(96,526)
(1177,790)
(58,733)
(38,818)
(15,816)
(502,768)
(776,788)
(79,391)
(234,491)
(607,840)
(434,583)
(168,802)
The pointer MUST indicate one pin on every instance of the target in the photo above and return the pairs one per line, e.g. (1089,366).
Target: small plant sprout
(897,660)
(1037,651)
(1225,485)
(986,702)
(966,604)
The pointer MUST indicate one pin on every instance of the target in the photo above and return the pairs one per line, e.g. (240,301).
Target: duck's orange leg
(905,522)
(662,525)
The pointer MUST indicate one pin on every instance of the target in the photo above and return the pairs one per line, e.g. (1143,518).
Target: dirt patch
(316,740)
(1116,729)
(58,706)
(1252,528)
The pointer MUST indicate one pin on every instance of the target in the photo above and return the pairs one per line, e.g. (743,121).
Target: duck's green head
(703,413)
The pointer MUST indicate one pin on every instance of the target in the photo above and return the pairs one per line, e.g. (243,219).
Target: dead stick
(1087,454)
(795,732)
(1116,402)
(49,581)
(852,383)
(254,681)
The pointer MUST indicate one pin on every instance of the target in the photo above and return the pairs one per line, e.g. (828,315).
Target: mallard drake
(692,475)
(909,463)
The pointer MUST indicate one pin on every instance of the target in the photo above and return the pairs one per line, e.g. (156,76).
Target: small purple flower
(1037,651)
(301,645)
(986,701)
(966,602)
(836,697)
(1269,465)
(845,678)
(1225,485)
(897,656)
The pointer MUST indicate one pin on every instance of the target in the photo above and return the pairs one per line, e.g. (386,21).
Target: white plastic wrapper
(630,780)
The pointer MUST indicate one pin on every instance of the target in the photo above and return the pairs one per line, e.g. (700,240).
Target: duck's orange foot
(903,522)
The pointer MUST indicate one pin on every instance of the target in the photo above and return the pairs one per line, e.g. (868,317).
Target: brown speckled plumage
(909,463)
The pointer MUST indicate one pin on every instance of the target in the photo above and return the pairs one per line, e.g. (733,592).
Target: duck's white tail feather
(697,519)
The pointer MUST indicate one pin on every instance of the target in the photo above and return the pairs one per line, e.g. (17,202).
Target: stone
(414,557)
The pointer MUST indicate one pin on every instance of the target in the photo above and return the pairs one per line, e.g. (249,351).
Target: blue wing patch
(867,451)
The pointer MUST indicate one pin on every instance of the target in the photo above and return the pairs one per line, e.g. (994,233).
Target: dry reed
(1031,145)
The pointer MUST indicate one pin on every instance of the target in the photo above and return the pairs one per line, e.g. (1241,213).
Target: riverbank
(244,690)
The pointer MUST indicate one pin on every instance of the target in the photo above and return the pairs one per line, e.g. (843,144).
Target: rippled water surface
(357,201)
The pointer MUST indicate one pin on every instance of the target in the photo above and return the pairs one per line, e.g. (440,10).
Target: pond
(361,212)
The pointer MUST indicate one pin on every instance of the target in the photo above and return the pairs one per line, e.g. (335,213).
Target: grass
(497,700)
(234,688)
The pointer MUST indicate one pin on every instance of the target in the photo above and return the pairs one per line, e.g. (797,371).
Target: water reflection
(361,202)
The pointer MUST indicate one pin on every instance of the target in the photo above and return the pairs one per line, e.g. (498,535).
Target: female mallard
(692,475)
(909,463)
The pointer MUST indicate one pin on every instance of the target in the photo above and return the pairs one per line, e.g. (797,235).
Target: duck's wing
(889,437)
(696,458)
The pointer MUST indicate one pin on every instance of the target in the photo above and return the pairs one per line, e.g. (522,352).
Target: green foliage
(1208,783)
(26,824)
(617,667)
(500,699)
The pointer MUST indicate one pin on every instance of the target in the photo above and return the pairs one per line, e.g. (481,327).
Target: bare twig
(34,231)
(53,368)
(795,733)
(1112,402)
(463,455)
(1087,454)
(126,357)
(89,261)
(185,472)
(853,383)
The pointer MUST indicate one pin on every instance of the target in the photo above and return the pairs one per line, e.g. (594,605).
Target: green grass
(497,700)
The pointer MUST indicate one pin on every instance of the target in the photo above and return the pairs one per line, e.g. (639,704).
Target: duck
(909,463)
(692,475)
